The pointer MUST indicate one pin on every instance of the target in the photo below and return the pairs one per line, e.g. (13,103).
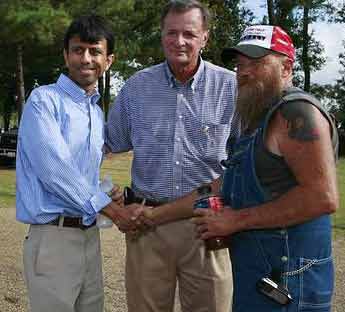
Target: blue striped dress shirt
(177,132)
(59,155)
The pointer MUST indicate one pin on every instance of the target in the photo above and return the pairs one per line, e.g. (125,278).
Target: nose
(180,41)
(86,57)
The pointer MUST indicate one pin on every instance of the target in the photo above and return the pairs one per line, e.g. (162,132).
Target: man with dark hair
(58,159)
(90,30)
(176,117)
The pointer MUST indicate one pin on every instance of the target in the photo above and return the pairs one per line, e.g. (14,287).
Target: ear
(287,67)
(205,37)
(110,60)
(65,56)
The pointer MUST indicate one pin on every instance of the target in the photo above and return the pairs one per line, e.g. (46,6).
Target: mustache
(255,96)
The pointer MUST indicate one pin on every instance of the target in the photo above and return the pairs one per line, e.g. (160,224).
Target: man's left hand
(210,224)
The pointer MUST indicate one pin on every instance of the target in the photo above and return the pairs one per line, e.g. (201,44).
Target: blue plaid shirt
(59,154)
(177,132)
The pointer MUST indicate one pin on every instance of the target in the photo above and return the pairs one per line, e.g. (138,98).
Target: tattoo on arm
(301,121)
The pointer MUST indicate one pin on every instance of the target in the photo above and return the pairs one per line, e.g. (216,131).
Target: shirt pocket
(151,126)
(210,139)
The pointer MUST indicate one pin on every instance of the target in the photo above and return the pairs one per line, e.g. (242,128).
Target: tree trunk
(101,92)
(270,12)
(7,119)
(107,93)
(305,48)
(7,111)
(20,92)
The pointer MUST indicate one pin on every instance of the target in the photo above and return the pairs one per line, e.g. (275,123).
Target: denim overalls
(299,257)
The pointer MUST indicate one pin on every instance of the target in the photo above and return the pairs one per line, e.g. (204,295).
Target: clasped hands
(133,218)
(137,219)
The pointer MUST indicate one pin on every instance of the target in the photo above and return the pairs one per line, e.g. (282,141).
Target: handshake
(127,214)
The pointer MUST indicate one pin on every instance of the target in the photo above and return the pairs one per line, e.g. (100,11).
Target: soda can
(215,203)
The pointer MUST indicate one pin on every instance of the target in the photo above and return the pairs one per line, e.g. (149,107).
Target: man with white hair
(176,116)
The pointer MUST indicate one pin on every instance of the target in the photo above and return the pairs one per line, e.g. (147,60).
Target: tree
(339,90)
(27,25)
(312,59)
(229,19)
(296,16)
(35,55)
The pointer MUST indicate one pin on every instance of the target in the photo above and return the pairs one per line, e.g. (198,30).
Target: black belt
(72,222)
(149,202)
(131,198)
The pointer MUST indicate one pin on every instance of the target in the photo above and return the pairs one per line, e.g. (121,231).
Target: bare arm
(181,208)
(301,135)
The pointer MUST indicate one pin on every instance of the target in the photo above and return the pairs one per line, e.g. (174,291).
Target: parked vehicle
(8,146)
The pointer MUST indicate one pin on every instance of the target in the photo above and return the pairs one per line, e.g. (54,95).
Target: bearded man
(280,184)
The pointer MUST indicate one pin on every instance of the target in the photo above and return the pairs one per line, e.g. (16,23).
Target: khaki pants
(63,269)
(171,253)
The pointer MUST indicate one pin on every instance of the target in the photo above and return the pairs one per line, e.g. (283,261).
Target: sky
(330,36)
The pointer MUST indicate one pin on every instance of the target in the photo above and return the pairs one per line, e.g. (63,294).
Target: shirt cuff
(97,202)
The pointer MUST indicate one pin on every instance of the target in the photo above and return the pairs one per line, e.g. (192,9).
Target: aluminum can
(211,201)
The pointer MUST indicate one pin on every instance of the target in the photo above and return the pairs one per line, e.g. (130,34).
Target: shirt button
(177,162)
(180,116)
(178,139)
(177,187)
(284,258)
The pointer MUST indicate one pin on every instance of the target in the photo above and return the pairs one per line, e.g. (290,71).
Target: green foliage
(39,25)
(229,21)
(7,188)
(334,95)
(35,27)
(339,217)
(295,16)
(137,27)
(339,89)
(31,22)
(340,14)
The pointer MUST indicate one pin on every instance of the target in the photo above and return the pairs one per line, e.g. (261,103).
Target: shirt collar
(193,82)
(77,94)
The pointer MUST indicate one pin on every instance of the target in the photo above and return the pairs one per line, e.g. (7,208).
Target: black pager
(274,291)
(128,195)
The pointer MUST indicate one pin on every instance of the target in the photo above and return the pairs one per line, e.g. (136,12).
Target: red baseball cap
(260,40)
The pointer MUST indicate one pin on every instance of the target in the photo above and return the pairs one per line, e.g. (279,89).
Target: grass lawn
(118,166)
(339,217)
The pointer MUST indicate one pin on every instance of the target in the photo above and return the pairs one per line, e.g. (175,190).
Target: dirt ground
(12,289)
